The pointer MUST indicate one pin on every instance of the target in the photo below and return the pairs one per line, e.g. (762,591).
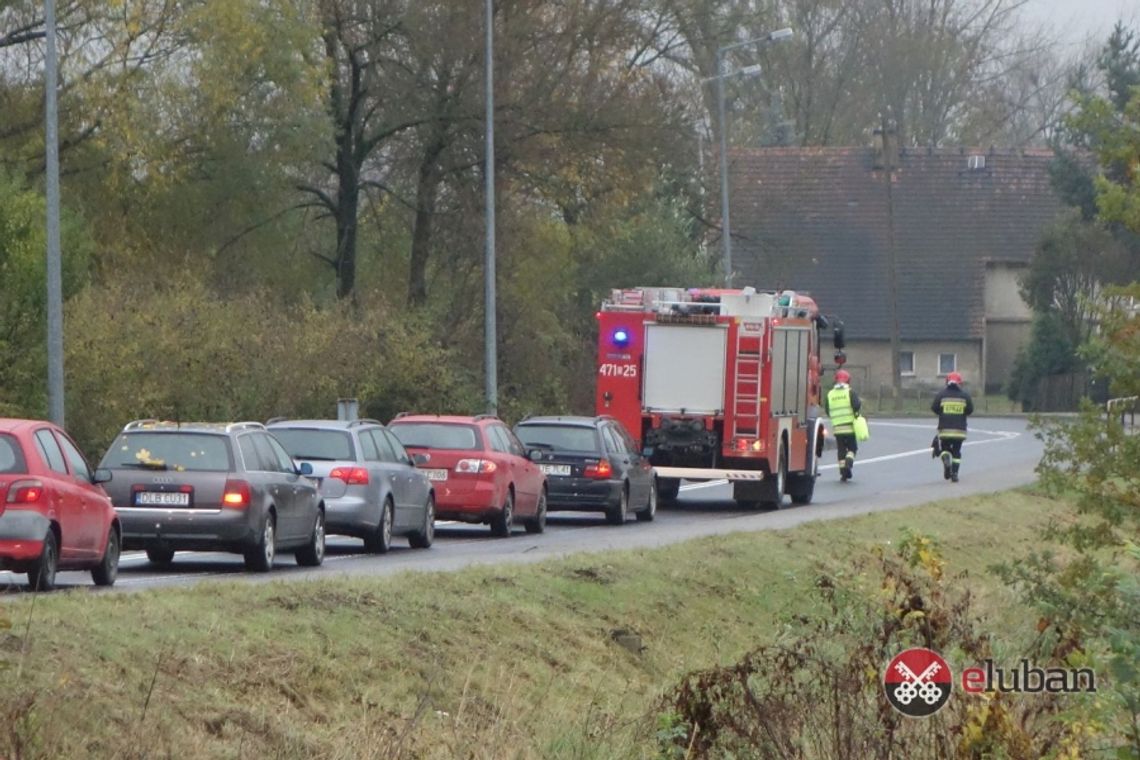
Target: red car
(480,471)
(54,515)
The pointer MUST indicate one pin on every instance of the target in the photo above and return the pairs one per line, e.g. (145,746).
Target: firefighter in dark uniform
(842,405)
(952,405)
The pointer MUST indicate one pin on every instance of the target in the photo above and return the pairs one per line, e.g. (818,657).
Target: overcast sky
(1075,20)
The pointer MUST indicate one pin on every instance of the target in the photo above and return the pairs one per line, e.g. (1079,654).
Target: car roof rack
(275,420)
(133,424)
(486,417)
(365,421)
(244,426)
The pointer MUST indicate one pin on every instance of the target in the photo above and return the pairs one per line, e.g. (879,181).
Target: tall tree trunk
(427,194)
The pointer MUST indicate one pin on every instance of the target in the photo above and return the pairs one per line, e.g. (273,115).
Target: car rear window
(559,437)
(170,451)
(313,443)
(11,456)
(436,435)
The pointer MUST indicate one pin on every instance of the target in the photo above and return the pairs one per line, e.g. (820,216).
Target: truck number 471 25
(610,369)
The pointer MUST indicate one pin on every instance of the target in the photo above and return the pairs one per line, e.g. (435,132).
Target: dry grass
(502,662)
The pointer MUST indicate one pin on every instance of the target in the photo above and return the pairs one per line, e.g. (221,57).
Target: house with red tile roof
(963,225)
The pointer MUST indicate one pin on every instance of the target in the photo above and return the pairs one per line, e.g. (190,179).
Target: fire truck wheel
(501,523)
(617,513)
(777,486)
(801,488)
(668,489)
(650,511)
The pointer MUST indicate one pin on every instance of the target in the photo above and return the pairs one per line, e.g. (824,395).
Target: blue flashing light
(621,338)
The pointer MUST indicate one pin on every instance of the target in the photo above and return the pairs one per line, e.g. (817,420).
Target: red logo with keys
(917,682)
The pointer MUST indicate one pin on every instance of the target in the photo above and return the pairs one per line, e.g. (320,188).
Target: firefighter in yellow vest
(952,405)
(842,405)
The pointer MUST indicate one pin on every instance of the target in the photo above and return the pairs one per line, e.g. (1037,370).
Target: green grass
(508,661)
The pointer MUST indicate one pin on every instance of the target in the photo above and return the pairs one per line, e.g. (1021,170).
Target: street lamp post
(490,346)
(721,75)
(54,266)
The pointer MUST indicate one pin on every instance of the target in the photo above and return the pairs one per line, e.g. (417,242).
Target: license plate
(555,469)
(162,499)
(436,474)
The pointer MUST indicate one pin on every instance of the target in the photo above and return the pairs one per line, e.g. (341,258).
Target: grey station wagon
(369,484)
(213,487)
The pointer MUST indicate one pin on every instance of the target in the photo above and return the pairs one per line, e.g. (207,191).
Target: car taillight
(25,492)
(354,476)
(603,469)
(475,466)
(236,495)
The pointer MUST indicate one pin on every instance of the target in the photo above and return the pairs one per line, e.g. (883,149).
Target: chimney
(886,148)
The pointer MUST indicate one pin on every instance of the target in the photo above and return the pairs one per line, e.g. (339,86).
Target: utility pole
(888,137)
(54,267)
(490,346)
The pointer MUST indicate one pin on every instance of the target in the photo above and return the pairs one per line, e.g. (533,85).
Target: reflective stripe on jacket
(841,410)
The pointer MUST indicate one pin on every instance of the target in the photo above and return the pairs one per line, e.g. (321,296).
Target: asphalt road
(894,470)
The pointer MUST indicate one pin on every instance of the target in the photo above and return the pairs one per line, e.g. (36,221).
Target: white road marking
(1000,437)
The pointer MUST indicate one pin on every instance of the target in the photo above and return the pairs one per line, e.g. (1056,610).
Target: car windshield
(11,456)
(314,443)
(559,437)
(169,451)
(436,435)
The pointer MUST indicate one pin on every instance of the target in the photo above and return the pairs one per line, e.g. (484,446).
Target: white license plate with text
(436,474)
(162,499)
(555,469)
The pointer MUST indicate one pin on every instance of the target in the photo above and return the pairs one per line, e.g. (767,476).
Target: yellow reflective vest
(840,411)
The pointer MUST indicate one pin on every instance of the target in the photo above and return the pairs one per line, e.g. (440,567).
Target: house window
(906,363)
(976,162)
(947,363)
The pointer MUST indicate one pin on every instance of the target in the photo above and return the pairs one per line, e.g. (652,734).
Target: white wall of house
(923,363)
(1008,321)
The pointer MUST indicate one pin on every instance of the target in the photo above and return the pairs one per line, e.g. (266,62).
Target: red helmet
(953,378)
(842,376)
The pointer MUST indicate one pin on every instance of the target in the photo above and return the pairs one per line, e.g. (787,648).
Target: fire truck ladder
(746,397)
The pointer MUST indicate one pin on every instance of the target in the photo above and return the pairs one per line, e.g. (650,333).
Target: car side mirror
(420,459)
(102,475)
(304,469)
(534,455)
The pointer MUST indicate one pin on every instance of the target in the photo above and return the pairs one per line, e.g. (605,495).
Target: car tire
(379,541)
(312,554)
(422,538)
(650,511)
(41,575)
(617,513)
(502,523)
(537,524)
(105,573)
(668,489)
(259,557)
(160,556)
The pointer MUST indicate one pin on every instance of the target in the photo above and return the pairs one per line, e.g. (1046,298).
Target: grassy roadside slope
(510,661)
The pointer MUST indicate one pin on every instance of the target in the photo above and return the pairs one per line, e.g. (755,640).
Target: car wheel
(41,576)
(422,538)
(650,511)
(105,573)
(160,556)
(259,557)
(379,541)
(501,523)
(538,523)
(312,554)
(617,514)
(668,489)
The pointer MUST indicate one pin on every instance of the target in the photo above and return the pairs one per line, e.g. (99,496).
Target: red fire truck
(718,384)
